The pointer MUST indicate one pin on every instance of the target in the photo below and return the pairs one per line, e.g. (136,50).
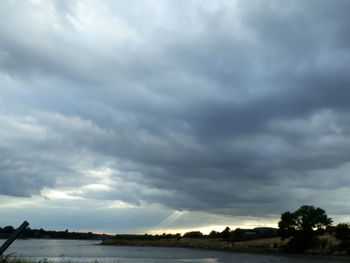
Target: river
(73,251)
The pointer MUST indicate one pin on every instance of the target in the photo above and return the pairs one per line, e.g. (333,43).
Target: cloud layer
(235,108)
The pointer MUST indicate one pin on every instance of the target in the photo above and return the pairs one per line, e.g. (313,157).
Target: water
(89,251)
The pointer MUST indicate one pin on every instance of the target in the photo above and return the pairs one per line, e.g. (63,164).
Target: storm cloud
(224,107)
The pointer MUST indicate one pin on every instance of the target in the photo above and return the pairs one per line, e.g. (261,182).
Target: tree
(238,235)
(303,225)
(8,230)
(342,233)
(214,234)
(193,234)
(226,233)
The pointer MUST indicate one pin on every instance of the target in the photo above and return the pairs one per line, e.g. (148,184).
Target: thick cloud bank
(230,107)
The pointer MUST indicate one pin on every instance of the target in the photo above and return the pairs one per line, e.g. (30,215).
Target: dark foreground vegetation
(306,229)
(8,259)
(6,231)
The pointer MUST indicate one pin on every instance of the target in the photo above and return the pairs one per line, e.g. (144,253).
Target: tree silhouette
(193,234)
(303,225)
(342,233)
(226,233)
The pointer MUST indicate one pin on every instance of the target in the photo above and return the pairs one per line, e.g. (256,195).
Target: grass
(328,240)
(328,244)
(264,242)
(261,245)
(10,259)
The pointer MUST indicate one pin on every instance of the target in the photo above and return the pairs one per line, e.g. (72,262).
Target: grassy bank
(269,245)
(7,259)
(23,260)
(266,245)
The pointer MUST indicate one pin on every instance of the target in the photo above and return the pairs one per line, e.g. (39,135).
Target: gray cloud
(240,110)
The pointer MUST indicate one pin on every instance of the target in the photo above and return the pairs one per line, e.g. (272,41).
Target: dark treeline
(6,231)
(146,236)
(227,235)
(240,234)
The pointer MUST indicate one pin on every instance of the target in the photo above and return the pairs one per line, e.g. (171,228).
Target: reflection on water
(89,251)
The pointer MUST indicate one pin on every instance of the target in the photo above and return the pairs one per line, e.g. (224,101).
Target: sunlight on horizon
(207,229)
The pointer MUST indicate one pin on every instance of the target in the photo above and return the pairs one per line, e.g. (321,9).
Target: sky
(168,116)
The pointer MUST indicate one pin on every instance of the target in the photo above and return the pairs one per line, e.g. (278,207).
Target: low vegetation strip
(211,244)
(9,259)
(265,245)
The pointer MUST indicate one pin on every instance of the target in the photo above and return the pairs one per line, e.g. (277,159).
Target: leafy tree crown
(307,220)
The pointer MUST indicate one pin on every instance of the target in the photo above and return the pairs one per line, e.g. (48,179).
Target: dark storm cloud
(240,110)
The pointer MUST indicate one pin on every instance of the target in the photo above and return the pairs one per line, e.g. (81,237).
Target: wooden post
(13,237)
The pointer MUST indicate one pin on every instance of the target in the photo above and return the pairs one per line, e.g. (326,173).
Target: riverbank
(270,246)
(261,246)
(14,260)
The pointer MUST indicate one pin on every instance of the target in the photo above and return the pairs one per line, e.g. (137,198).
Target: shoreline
(195,244)
(223,246)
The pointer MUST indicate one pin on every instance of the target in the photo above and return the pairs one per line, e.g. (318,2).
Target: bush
(342,233)
(301,243)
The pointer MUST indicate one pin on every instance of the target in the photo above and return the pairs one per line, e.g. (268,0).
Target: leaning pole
(13,237)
